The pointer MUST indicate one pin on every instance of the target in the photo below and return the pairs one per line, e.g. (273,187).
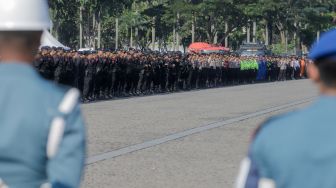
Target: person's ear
(313,73)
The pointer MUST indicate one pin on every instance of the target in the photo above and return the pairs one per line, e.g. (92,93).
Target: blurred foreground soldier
(42,133)
(298,149)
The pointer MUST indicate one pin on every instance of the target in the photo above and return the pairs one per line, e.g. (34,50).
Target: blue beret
(325,47)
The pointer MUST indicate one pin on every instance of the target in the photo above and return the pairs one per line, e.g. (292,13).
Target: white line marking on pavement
(175,136)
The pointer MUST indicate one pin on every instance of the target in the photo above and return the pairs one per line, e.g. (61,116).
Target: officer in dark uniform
(189,74)
(275,70)
(99,75)
(225,72)
(88,79)
(77,71)
(58,64)
(172,76)
(183,76)
(269,69)
(156,74)
(129,74)
(117,83)
(164,74)
(45,66)
(195,75)
(113,70)
(136,74)
(146,78)
(69,69)
(122,74)
(108,75)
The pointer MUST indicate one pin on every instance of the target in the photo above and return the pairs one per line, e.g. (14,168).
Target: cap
(45,48)
(325,47)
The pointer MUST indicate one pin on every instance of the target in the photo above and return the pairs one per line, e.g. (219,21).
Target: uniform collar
(327,100)
(16,68)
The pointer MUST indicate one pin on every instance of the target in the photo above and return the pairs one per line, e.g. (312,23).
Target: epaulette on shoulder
(64,88)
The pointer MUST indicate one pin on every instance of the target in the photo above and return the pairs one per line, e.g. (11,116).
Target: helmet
(24,15)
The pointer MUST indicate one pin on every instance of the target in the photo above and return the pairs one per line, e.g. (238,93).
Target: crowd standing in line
(106,74)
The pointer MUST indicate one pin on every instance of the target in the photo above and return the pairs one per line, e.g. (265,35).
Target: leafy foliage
(292,21)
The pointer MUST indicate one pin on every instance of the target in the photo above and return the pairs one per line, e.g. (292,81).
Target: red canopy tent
(199,46)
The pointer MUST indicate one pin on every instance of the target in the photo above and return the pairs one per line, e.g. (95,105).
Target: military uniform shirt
(42,137)
(294,150)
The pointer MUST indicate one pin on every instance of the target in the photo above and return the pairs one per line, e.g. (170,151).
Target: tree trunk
(286,41)
(131,39)
(153,34)
(283,37)
(213,34)
(117,34)
(248,33)
(299,46)
(93,34)
(177,33)
(295,34)
(148,41)
(99,29)
(226,34)
(56,34)
(282,33)
(270,33)
(81,26)
(254,31)
(52,29)
(174,38)
(160,44)
(193,29)
(136,37)
(266,34)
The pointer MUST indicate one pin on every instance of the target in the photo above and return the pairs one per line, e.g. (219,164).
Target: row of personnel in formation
(106,74)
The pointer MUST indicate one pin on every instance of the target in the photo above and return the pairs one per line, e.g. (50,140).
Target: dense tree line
(169,24)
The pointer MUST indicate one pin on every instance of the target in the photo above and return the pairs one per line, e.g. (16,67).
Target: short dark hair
(327,69)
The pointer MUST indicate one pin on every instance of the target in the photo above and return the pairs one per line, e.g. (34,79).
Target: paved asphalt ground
(183,140)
